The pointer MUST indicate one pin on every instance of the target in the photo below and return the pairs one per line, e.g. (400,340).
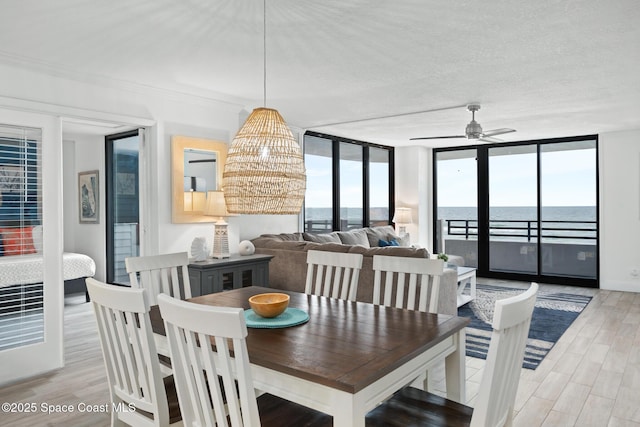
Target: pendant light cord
(264,49)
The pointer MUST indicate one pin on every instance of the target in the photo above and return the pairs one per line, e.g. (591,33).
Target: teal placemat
(290,317)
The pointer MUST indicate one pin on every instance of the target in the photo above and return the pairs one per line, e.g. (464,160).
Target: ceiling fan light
(473,130)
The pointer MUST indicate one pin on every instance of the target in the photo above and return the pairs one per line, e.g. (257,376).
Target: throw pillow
(17,241)
(392,242)
(321,238)
(354,237)
(402,240)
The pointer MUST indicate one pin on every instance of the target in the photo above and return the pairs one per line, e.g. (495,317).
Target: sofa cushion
(322,238)
(354,237)
(282,237)
(281,244)
(391,251)
(374,234)
(330,247)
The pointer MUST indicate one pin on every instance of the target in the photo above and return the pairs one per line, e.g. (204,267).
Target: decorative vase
(246,248)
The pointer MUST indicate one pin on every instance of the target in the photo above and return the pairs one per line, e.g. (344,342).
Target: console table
(237,271)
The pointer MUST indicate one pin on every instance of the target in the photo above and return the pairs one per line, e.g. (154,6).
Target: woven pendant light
(264,172)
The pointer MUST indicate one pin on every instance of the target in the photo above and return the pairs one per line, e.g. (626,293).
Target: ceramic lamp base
(220,240)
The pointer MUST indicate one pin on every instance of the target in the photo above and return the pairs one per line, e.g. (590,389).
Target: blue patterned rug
(553,314)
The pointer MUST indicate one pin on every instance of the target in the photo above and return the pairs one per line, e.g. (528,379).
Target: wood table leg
(455,371)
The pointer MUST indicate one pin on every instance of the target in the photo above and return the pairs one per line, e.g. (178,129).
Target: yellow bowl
(269,305)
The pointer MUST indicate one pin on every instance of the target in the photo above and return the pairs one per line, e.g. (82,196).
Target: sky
(319,177)
(568,179)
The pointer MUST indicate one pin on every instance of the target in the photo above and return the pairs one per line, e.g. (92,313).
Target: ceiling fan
(474,130)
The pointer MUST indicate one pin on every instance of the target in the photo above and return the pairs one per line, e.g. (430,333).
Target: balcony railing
(525,230)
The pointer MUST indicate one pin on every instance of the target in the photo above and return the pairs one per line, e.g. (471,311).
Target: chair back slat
(129,351)
(333,274)
(415,282)
(166,273)
(191,331)
(511,321)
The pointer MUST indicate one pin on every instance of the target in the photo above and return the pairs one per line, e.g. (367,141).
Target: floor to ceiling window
(349,183)
(535,213)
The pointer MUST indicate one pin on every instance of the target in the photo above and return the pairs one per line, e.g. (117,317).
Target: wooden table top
(345,345)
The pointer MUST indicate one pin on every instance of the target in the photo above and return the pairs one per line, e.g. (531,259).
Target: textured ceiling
(546,68)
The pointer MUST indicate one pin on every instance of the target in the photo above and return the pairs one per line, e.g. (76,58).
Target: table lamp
(402,217)
(216,206)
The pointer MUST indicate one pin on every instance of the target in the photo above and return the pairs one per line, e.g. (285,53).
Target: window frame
(483,204)
(366,182)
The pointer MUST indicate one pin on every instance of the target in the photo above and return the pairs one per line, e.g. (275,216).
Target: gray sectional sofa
(288,268)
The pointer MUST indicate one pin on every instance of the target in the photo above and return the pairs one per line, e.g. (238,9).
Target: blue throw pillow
(392,242)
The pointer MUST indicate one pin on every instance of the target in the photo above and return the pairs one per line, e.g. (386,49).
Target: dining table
(349,356)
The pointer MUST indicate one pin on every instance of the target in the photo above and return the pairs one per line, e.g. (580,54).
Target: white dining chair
(140,395)
(166,273)
(495,402)
(333,274)
(198,368)
(411,283)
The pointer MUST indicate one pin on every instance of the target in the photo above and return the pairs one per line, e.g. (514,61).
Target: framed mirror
(197,166)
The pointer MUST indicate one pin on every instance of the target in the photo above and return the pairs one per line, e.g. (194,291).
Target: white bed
(16,271)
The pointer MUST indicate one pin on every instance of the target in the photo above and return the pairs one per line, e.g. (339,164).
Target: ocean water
(523,213)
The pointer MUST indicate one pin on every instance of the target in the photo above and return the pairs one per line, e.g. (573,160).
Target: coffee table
(466,277)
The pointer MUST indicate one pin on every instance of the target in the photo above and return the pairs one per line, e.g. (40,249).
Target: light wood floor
(590,378)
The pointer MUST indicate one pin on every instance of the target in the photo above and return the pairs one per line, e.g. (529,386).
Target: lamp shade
(215,205)
(264,171)
(402,216)
(194,200)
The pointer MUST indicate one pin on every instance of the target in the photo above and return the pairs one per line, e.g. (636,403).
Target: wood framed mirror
(197,165)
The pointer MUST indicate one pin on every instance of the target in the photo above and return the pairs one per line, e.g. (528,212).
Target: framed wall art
(89,197)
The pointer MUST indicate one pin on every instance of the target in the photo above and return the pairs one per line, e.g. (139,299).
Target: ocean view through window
(529,210)
(349,184)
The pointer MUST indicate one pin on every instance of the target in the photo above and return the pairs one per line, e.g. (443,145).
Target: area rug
(553,314)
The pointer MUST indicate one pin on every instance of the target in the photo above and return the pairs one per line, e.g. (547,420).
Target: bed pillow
(17,241)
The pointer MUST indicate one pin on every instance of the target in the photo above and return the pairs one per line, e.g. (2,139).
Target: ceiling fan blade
(489,139)
(495,132)
(438,137)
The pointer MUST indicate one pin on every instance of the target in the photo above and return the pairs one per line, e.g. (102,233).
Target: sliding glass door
(536,211)
(568,214)
(456,195)
(513,213)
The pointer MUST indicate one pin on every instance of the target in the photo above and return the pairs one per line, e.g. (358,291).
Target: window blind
(21,302)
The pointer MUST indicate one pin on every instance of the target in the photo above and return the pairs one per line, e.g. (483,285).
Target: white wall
(413,183)
(619,210)
(88,239)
